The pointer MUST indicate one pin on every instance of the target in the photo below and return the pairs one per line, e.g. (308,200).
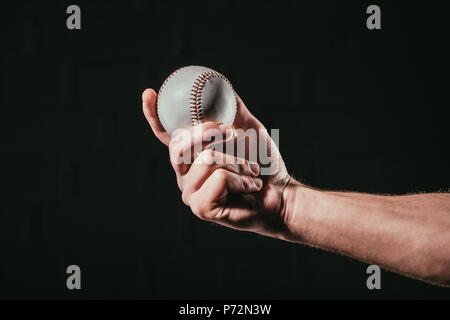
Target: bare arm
(406,234)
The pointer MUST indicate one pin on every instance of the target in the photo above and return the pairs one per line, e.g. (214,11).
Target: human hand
(223,188)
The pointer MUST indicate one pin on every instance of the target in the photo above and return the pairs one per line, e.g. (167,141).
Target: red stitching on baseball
(196,109)
(196,93)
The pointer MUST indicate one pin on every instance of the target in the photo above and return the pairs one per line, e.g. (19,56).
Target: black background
(84,181)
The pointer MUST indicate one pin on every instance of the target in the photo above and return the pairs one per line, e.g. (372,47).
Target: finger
(234,183)
(223,182)
(149,105)
(188,143)
(216,188)
(208,162)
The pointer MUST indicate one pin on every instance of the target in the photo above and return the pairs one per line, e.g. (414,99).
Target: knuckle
(185,196)
(247,181)
(208,157)
(239,169)
(202,214)
(208,152)
(200,211)
(244,182)
(220,175)
(175,142)
(243,167)
(175,160)
(174,154)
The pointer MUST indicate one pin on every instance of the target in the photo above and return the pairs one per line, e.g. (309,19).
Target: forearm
(406,234)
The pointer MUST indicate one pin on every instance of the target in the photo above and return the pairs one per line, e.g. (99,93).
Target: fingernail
(254,168)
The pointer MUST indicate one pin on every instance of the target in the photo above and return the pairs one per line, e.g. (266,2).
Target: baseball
(194,94)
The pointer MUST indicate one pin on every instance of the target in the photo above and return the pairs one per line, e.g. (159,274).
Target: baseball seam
(197,90)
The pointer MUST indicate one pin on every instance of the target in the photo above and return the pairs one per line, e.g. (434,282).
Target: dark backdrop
(84,181)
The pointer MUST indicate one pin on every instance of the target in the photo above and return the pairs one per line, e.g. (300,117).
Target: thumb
(149,99)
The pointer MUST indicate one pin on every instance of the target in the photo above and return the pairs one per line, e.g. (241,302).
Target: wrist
(293,212)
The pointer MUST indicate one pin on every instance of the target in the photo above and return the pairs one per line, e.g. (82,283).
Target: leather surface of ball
(195,94)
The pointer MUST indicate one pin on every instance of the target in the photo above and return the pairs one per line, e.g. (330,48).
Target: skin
(407,234)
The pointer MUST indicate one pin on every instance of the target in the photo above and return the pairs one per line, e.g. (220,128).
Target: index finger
(188,143)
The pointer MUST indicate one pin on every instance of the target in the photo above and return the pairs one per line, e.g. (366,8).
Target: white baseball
(191,95)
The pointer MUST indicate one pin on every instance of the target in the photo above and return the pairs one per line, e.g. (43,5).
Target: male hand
(217,185)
